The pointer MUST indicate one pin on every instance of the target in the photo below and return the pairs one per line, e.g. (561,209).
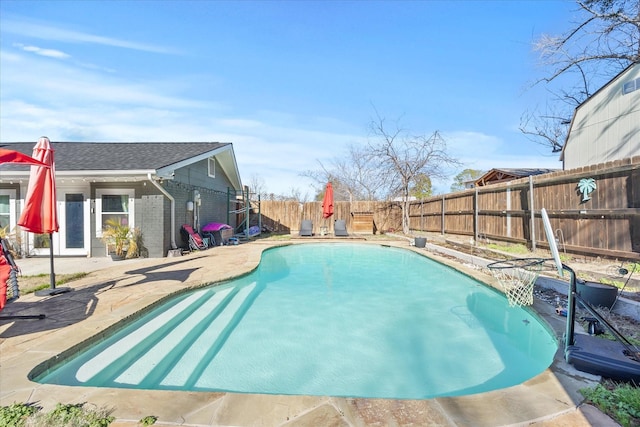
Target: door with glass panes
(72,238)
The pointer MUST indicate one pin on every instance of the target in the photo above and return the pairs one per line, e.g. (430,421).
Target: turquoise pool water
(325,319)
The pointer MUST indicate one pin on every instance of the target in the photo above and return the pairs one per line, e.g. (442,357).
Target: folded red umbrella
(40,213)
(327,203)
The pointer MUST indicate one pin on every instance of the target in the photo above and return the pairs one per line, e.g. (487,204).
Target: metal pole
(53,274)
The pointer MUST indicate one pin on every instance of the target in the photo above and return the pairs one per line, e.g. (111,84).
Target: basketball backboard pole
(619,360)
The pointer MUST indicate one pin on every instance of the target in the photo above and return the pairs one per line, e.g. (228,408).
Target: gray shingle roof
(524,172)
(79,156)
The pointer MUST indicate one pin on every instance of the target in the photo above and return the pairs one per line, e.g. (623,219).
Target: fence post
(442,226)
(508,212)
(533,214)
(475,215)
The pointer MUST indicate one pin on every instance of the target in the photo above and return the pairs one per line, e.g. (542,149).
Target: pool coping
(106,296)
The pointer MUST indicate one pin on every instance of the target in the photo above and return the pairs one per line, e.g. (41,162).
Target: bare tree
(403,158)
(601,43)
(258,187)
(354,176)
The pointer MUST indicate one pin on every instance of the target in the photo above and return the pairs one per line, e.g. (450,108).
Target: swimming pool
(325,319)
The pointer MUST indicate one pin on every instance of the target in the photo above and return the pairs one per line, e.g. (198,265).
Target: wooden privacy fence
(606,224)
(286,216)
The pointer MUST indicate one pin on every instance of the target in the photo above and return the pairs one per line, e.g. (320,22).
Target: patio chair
(306,228)
(196,242)
(340,228)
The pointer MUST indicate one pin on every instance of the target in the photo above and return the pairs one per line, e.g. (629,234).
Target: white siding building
(606,126)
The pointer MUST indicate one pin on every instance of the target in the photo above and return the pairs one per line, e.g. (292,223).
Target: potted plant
(116,236)
(135,243)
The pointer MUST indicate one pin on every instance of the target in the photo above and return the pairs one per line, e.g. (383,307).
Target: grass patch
(511,249)
(620,401)
(274,236)
(78,414)
(30,284)
(617,283)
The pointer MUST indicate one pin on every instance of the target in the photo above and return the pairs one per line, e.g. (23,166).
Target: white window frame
(211,167)
(130,192)
(12,207)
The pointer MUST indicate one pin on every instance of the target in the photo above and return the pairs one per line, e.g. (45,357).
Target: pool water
(325,319)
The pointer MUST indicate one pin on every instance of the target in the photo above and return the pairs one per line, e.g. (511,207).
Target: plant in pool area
(75,414)
(135,243)
(148,420)
(620,401)
(116,236)
(16,415)
(78,414)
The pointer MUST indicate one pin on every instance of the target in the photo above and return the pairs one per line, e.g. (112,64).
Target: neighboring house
(606,126)
(501,175)
(155,187)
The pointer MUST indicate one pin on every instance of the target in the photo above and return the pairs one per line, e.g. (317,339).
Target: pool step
(152,353)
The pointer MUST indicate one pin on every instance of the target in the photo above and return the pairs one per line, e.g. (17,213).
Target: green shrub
(16,415)
(148,420)
(64,415)
(620,401)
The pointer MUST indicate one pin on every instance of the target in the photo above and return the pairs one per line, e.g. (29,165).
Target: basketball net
(517,277)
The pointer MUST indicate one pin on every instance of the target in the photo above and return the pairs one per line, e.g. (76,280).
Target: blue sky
(289,83)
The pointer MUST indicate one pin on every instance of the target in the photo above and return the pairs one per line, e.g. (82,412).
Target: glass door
(74,221)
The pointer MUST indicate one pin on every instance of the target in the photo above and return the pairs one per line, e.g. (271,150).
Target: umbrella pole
(52,288)
(53,274)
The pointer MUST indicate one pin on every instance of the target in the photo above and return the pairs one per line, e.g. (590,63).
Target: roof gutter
(173,209)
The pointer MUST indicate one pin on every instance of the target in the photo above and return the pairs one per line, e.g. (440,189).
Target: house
(505,174)
(606,126)
(155,187)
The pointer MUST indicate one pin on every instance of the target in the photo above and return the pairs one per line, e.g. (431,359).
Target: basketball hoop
(517,277)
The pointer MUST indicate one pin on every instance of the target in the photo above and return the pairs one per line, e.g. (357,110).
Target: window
(114,204)
(7,210)
(629,87)
(212,167)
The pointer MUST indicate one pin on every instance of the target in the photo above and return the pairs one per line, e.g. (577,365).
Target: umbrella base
(35,316)
(51,291)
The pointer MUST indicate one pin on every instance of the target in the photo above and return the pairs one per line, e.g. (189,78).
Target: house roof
(114,158)
(507,174)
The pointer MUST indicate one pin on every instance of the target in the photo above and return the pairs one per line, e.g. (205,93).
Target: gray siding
(606,127)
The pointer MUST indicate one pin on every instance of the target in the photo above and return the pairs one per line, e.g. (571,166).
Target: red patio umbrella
(40,214)
(327,203)
(7,265)
(10,156)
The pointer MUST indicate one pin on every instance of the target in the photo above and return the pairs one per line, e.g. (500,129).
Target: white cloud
(51,53)
(17,25)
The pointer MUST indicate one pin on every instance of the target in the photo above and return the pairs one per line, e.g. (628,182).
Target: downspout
(173,209)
